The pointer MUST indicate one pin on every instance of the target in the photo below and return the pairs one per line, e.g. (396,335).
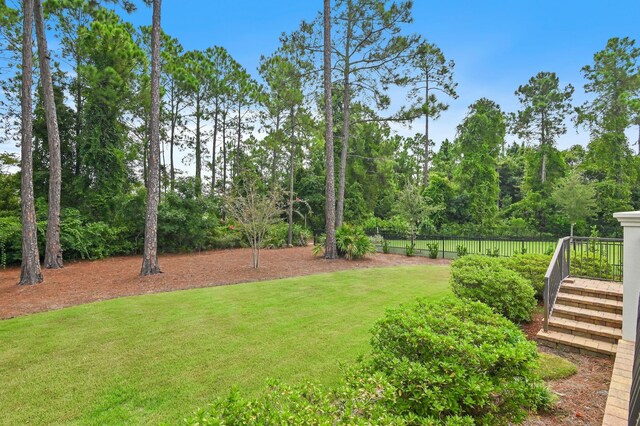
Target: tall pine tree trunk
(291,170)
(30,272)
(53,249)
(346,101)
(274,158)
(330,251)
(150,264)
(172,139)
(425,165)
(79,112)
(213,149)
(198,150)
(236,161)
(224,153)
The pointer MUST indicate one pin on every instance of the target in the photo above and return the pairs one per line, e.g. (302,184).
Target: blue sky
(496,45)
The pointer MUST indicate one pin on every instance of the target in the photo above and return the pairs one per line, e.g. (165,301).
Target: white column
(631,271)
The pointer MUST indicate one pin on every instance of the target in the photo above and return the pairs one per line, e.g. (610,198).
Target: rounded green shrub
(457,359)
(530,266)
(352,242)
(486,280)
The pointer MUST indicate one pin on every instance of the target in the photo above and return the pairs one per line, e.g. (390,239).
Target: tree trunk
(291,169)
(224,153)
(425,166)
(150,264)
(346,101)
(213,149)
(274,159)
(78,96)
(172,139)
(30,272)
(198,150)
(543,148)
(236,161)
(330,251)
(53,249)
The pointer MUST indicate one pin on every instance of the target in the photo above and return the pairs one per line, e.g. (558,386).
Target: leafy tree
(614,78)
(255,214)
(545,106)
(575,198)
(480,138)
(412,207)
(112,59)
(432,73)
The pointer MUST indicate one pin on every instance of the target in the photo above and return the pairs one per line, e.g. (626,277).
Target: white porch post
(631,271)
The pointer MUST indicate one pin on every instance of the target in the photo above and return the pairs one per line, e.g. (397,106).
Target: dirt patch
(581,397)
(90,281)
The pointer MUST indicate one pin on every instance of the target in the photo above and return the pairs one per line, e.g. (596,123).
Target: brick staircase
(586,318)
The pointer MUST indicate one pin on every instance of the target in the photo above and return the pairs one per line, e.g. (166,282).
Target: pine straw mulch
(581,397)
(89,281)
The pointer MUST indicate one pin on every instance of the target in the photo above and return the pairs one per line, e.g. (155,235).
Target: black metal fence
(441,246)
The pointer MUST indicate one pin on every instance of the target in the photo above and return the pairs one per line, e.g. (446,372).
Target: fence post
(443,247)
(630,221)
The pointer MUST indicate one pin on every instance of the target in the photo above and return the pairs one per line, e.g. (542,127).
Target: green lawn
(155,358)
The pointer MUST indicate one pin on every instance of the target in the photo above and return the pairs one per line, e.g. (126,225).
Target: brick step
(577,344)
(589,302)
(607,290)
(583,329)
(587,315)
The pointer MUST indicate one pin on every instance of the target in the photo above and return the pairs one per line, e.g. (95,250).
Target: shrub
(318,247)
(433,249)
(494,252)
(462,250)
(308,404)
(352,242)
(278,236)
(377,241)
(484,279)
(456,358)
(410,250)
(385,246)
(10,240)
(590,263)
(532,267)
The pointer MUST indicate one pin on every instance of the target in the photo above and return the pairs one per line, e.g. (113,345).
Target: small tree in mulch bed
(255,212)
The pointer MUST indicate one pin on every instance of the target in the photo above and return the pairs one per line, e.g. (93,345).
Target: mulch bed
(89,281)
(581,397)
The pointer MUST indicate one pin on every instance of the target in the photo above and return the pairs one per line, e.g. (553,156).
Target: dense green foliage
(486,280)
(457,358)
(530,266)
(452,362)
(353,243)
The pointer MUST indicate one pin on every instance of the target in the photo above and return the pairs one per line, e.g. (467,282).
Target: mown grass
(553,367)
(155,358)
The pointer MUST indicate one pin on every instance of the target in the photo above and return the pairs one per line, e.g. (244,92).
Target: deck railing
(583,257)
